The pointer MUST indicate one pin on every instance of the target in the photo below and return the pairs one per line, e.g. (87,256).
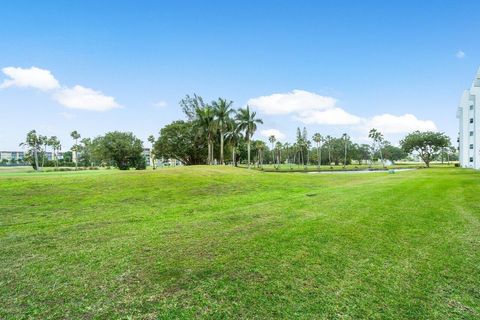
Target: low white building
(469,126)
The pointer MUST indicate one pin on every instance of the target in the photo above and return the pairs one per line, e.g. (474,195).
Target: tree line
(216,133)
(217,129)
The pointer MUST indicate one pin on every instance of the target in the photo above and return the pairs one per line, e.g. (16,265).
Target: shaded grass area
(220,242)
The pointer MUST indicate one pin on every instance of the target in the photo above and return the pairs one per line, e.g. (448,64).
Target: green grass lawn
(351,167)
(220,242)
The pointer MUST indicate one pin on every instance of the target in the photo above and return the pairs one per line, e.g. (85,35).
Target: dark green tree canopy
(180,140)
(427,144)
(121,149)
(393,153)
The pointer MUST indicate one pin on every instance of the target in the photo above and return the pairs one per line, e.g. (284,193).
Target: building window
(471,107)
(471,133)
(471,120)
(471,159)
(471,146)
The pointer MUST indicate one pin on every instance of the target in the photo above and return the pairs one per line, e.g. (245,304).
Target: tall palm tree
(75,136)
(278,147)
(328,140)
(260,146)
(207,126)
(34,144)
(272,140)
(222,110)
(286,145)
(56,146)
(153,161)
(247,122)
(318,139)
(233,137)
(345,139)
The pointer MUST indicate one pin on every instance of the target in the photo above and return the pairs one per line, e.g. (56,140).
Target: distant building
(17,156)
(469,126)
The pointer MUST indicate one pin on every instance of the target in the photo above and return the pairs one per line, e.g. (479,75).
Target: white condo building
(469,126)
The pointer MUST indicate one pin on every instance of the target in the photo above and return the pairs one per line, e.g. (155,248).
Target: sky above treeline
(332,67)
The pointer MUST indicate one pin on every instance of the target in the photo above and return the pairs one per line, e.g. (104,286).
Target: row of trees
(119,149)
(215,126)
(217,129)
(211,129)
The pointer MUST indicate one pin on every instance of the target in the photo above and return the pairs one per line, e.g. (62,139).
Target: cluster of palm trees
(219,120)
(340,149)
(38,144)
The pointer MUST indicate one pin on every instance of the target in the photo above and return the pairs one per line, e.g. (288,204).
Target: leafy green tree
(179,140)
(122,149)
(75,136)
(191,105)
(222,110)
(247,122)
(377,142)
(33,143)
(427,144)
(393,153)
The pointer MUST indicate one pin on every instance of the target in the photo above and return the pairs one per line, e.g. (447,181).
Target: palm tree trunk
(35,154)
(248,152)
(319,155)
(221,147)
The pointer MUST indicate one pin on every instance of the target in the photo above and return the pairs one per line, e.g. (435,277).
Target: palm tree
(345,138)
(260,146)
(233,137)
(247,122)
(44,143)
(56,146)
(279,146)
(328,140)
(151,139)
(272,141)
(286,145)
(205,120)
(75,136)
(222,110)
(318,139)
(33,142)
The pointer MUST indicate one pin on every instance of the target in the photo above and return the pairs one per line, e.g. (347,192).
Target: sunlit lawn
(220,242)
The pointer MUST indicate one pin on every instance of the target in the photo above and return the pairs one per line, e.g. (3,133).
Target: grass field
(222,242)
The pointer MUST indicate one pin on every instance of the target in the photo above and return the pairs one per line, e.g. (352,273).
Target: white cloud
(334,116)
(460,54)
(391,124)
(83,98)
(160,104)
(273,132)
(33,77)
(291,102)
(307,107)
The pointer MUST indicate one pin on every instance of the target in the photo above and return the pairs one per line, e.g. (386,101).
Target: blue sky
(332,67)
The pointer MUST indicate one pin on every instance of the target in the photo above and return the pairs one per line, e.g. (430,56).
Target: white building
(469,126)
